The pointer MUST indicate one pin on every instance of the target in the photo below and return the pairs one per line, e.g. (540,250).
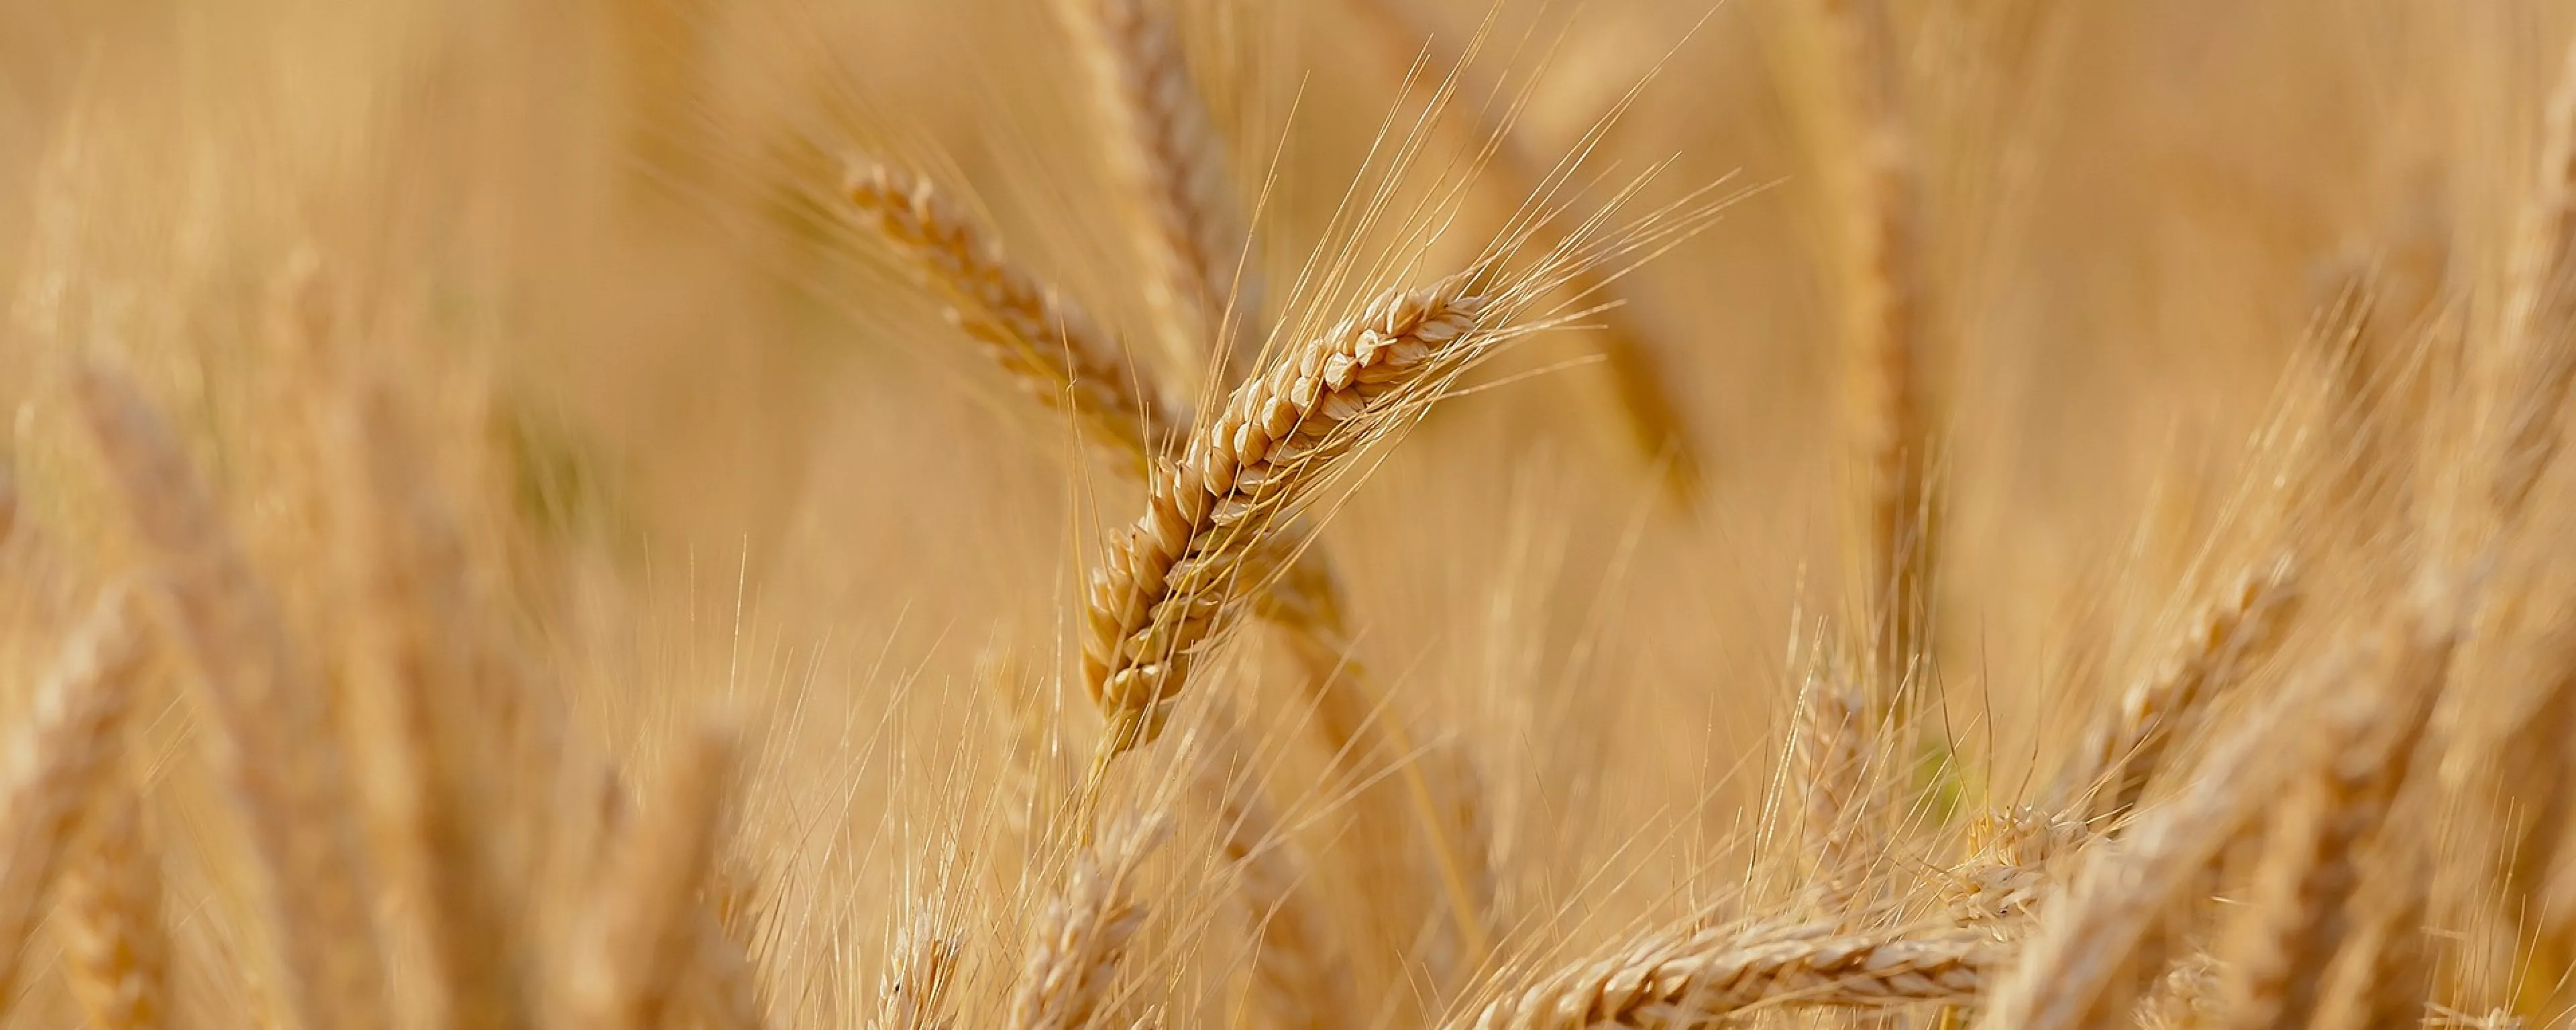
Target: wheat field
(1457,514)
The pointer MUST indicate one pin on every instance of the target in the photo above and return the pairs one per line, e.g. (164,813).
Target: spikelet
(56,762)
(1174,580)
(1184,220)
(2299,915)
(644,927)
(1083,934)
(1706,978)
(1046,344)
(270,740)
(116,950)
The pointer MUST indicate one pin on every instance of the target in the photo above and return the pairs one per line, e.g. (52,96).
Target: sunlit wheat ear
(2538,362)
(2386,969)
(643,929)
(2072,973)
(1708,977)
(1299,979)
(2121,755)
(434,704)
(1830,745)
(270,739)
(1182,211)
(57,760)
(921,965)
(2015,858)
(2365,745)
(116,949)
(1885,345)
(1174,581)
(1082,935)
(1037,336)
(1641,379)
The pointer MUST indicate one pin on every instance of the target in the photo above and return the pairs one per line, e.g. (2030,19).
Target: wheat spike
(644,925)
(2120,757)
(1185,225)
(116,951)
(2067,975)
(1083,934)
(1708,978)
(1299,979)
(1831,748)
(919,967)
(2539,362)
(1173,581)
(1038,337)
(56,763)
(271,740)
(1884,345)
(2304,887)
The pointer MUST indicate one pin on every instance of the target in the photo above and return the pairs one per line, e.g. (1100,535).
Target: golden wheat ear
(58,760)
(271,740)
(1037,335)
(1711,976)
(116,948)
(644,928)
(1082,937)
(1182,214)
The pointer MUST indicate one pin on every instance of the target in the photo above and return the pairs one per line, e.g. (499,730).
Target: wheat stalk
(57,761)
(1174,580)
(116,951)
(2299,916)
(1186,228)
(1082,936)
(1712,976)
(644,924)
(271,740)
(1040,338)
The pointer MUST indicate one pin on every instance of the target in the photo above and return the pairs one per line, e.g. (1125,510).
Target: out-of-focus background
(715,446)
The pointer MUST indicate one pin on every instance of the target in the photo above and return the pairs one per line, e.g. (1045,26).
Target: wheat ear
(1186,227)
(1299,979)
(1040,338)
(2540,311)
(1831,746)
(2299,916)
(919,968)
(1174,580)
(644,925)
(1641,385)
(429,704)
(271,739)
(56,764)
(1884,344)
(2068,974)
(2120,756)
(1082,936)
(1713,976)
(116,950)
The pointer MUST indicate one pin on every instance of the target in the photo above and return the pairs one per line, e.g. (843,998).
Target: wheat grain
(2310,865)
(1045,343)
(1082,936)
(1712,976)
(271,740)
(1186,228)
(56,762)
(116,951)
